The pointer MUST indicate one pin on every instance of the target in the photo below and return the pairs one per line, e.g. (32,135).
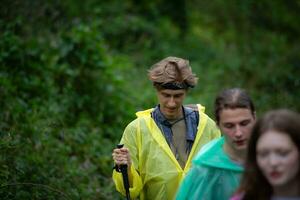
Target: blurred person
(161,142)
(272,165)
(216,170)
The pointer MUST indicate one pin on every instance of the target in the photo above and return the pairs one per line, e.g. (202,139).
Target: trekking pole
(123,169)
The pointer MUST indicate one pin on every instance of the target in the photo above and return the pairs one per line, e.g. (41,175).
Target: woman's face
(278,158)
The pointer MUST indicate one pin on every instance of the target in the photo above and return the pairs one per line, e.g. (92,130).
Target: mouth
(171,109)
(240,142)
(275,174)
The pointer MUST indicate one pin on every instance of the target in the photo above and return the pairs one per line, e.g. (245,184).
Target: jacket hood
(213,155)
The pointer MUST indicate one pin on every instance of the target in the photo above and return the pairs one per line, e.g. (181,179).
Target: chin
(241,148)
(277,183)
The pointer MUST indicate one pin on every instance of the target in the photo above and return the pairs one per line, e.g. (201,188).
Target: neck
(179,115)
(236,156)
(288,190)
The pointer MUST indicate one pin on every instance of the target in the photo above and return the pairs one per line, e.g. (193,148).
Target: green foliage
(73,73)
(63,102)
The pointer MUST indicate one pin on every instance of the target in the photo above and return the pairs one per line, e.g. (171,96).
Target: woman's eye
(283,152)
(262,154)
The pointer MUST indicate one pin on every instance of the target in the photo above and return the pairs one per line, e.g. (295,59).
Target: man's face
(170,102)
(236,125)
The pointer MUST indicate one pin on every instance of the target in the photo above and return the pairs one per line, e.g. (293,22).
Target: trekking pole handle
(123,169)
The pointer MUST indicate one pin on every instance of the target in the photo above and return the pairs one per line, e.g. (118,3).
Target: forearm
(134,181)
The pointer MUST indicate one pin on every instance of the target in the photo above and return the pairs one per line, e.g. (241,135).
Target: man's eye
(245,123)
(228,126)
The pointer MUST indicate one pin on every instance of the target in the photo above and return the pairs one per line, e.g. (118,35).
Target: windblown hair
(172,70)
(232,98)
(254,185)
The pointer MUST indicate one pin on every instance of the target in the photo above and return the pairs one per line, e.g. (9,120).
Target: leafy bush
(72,74)
(63,107)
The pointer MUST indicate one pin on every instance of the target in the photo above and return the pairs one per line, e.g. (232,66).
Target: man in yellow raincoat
(161,142)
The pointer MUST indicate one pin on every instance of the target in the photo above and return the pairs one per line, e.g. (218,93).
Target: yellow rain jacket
(156,174)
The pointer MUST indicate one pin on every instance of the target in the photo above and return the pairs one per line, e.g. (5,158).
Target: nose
(273,159)
(238,131)
(171,102)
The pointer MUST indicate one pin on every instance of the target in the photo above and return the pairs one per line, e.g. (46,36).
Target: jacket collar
(161,119)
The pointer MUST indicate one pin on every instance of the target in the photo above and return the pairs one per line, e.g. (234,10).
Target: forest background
(73,73)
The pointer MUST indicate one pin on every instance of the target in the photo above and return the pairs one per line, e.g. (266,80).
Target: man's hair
(254,185)
(232,98)
(172,70)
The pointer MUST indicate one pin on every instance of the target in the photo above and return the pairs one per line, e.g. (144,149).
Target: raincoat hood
(213,155)
(212,176)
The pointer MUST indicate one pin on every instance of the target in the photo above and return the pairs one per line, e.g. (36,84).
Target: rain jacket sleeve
(130,137)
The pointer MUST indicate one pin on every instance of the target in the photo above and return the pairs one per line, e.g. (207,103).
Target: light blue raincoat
(213,175)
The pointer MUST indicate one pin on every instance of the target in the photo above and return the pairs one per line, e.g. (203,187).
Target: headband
(174,86)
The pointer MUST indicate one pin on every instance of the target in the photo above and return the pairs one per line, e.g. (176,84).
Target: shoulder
(140,116)
(198,112)
(144,113)
(213,155)
(132,124)
(143,118)
(209,150)
(204,117)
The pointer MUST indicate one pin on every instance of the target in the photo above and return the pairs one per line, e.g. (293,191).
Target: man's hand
(122,156)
